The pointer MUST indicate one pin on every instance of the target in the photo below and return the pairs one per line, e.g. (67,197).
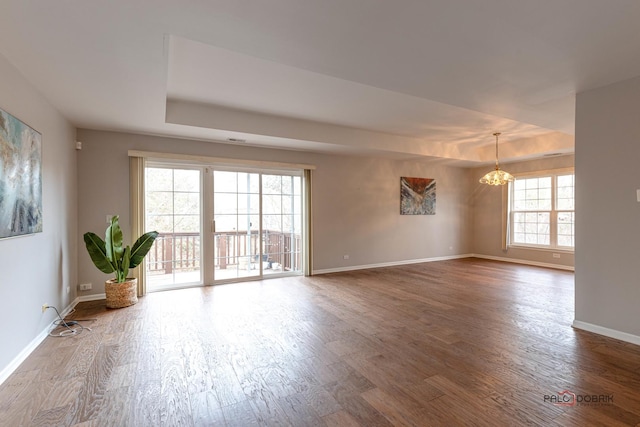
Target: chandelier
(497,176)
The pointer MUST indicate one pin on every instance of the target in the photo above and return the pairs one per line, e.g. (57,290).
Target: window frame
(554,212)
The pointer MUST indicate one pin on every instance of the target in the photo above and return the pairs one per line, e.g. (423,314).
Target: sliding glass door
(173,208)
(255,230)
(258,224)
(236,207)
(282,223)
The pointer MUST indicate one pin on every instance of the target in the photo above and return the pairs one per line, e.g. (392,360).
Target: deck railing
(180,252)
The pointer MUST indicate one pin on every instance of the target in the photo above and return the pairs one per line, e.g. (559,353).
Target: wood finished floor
(464,342)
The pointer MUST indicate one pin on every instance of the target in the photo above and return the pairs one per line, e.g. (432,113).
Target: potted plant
(111,257)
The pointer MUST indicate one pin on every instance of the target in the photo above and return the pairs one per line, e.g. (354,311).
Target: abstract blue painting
(20,178)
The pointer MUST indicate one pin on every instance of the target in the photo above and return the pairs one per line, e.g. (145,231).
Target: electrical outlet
(68,289)
(556,255)
(345,257)
(109,219)
(85,286)
(44,307)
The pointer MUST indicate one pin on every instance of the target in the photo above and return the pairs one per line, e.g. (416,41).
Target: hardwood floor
(465,342)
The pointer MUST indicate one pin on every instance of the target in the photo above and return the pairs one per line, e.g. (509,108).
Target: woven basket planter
(121,295)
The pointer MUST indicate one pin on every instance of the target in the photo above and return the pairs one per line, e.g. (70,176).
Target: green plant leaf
(141,247)
(113,240)
(97,252)
(125,263)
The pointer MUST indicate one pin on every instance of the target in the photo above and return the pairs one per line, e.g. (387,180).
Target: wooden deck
(465,342)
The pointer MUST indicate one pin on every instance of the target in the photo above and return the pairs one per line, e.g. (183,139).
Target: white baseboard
(524,261)
(93,297)
(388,264)
(15,363)
(443,258)
(611,333)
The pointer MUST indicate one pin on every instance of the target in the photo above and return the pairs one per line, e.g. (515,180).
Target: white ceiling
(405,79)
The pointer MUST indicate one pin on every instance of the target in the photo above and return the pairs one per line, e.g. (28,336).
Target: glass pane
(565,204)
(565,241)
(565,180)
(531,183)
(224,203)
(248,183)
(272,223)
(255,222)
(544,182)
(297,205)
(297,185)
(287,204)
(159,202)
(186,223)
(565,199)
(159,223)
(271,184)
(542,228)
(244,223)
(287,185)
(248,203)
(545,194)
(565,217)
(271,204)
(186,180)
(226,223)
(187,203)
(566,229)
(545,204)
(158,179)
(532,194)
(565,192)
(225,182)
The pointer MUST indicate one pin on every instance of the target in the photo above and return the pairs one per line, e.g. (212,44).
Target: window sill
(542,249)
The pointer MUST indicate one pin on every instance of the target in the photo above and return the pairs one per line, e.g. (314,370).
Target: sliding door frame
(207,165)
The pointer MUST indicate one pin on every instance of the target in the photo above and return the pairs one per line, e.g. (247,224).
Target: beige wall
(356,201)
(38,269)
(357,213)
(487,220)
(608,213)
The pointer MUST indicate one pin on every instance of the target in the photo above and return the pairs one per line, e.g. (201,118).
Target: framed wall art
(417,196)
(20,177)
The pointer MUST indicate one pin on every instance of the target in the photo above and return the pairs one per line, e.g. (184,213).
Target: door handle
(213,225)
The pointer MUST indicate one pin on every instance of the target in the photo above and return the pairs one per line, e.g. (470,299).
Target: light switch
(638,195)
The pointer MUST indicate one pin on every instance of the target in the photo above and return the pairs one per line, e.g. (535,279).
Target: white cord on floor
(67,324)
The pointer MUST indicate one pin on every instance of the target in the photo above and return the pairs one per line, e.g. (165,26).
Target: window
(542,211)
